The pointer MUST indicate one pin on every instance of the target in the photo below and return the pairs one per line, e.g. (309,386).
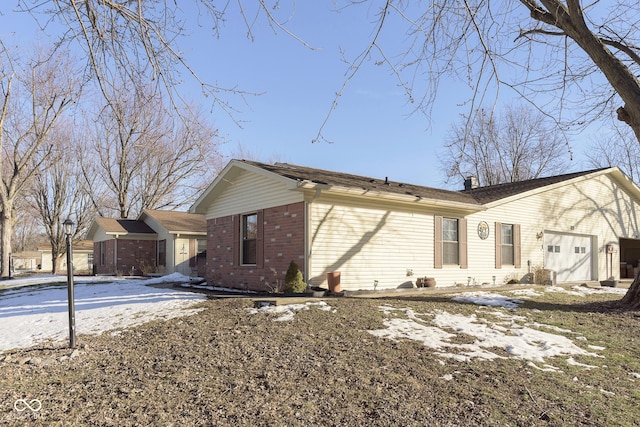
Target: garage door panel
(569,255)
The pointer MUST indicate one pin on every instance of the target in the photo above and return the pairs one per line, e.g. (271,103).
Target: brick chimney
(471,182)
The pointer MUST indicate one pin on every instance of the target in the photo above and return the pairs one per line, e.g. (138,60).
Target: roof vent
(471,182)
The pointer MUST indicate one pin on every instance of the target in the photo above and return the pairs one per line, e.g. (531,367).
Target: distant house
(82,257)
(26,261)
(160,242)
(379,233)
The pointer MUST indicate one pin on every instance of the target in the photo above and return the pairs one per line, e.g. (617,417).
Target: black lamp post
(68,230)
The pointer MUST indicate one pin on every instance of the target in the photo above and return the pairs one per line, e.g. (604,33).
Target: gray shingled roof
(479,195)
(124,226)
(339,179)
(500,191)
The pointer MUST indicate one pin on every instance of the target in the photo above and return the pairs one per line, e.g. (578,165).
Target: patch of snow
(602,290)
(489,299)
(551,327)
(447,377)
(521,342)
(287,311)
(526,293)
(546,368)
(581,291)
(31,315)
(571,361)
(596,347)
(558,289)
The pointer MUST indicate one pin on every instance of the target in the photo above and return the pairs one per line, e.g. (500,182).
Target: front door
(182,257)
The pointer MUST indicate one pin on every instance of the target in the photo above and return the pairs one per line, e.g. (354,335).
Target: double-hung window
(103,251)
(162,252)
(507,244)
(249,237)
(450,242)
(508,251)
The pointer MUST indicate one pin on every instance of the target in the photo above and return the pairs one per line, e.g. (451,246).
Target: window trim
(453,243)
(103,249)
(244,240)
(507,247)
(517,249)
(439,243)
(162,253)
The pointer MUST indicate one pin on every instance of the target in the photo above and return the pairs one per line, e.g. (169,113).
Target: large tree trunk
(55,259)
(5,241)
(632,297)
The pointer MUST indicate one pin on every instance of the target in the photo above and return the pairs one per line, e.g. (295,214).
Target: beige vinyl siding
(368,243)
(251,192)
(576,209)
(100,236)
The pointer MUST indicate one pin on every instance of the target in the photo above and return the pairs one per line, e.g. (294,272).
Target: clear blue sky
(372,131)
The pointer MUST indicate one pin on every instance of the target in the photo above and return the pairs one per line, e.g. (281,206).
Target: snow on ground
(486,330)
(436,331)
(512,333)
(31,315)
(581,291)
(287,311)
(488,298)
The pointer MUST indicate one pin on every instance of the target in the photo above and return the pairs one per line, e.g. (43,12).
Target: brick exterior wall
(282,230)
(131,253)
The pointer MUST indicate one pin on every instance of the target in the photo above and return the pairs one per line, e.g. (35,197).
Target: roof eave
(610,171)
(191,232)
(400,198)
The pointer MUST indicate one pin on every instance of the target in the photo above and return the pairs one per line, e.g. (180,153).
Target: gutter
(401,198)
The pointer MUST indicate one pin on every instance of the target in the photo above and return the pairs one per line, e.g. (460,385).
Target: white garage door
(569,255)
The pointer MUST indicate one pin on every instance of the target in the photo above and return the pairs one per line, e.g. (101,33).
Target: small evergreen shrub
(293,279)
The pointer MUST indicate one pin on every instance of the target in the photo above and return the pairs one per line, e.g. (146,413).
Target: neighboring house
(161,242)
(82,257)
(26,261)
(383,234)
(182,241)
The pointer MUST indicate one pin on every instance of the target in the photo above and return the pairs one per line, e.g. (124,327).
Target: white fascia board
(398,198)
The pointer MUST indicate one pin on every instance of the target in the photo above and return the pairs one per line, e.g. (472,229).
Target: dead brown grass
(225,366)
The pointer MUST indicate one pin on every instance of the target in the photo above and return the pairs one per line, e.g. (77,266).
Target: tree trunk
(632,298)
(55,258)
(5,241)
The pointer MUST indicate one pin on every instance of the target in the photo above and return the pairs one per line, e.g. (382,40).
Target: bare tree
(143,158)
(574,62)
(27,231)
(521,144)
(616,148)
(138,41)
(57,192)
(33,96)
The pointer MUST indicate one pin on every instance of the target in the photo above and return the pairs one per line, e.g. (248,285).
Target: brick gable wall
(282,232)
(131,256)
